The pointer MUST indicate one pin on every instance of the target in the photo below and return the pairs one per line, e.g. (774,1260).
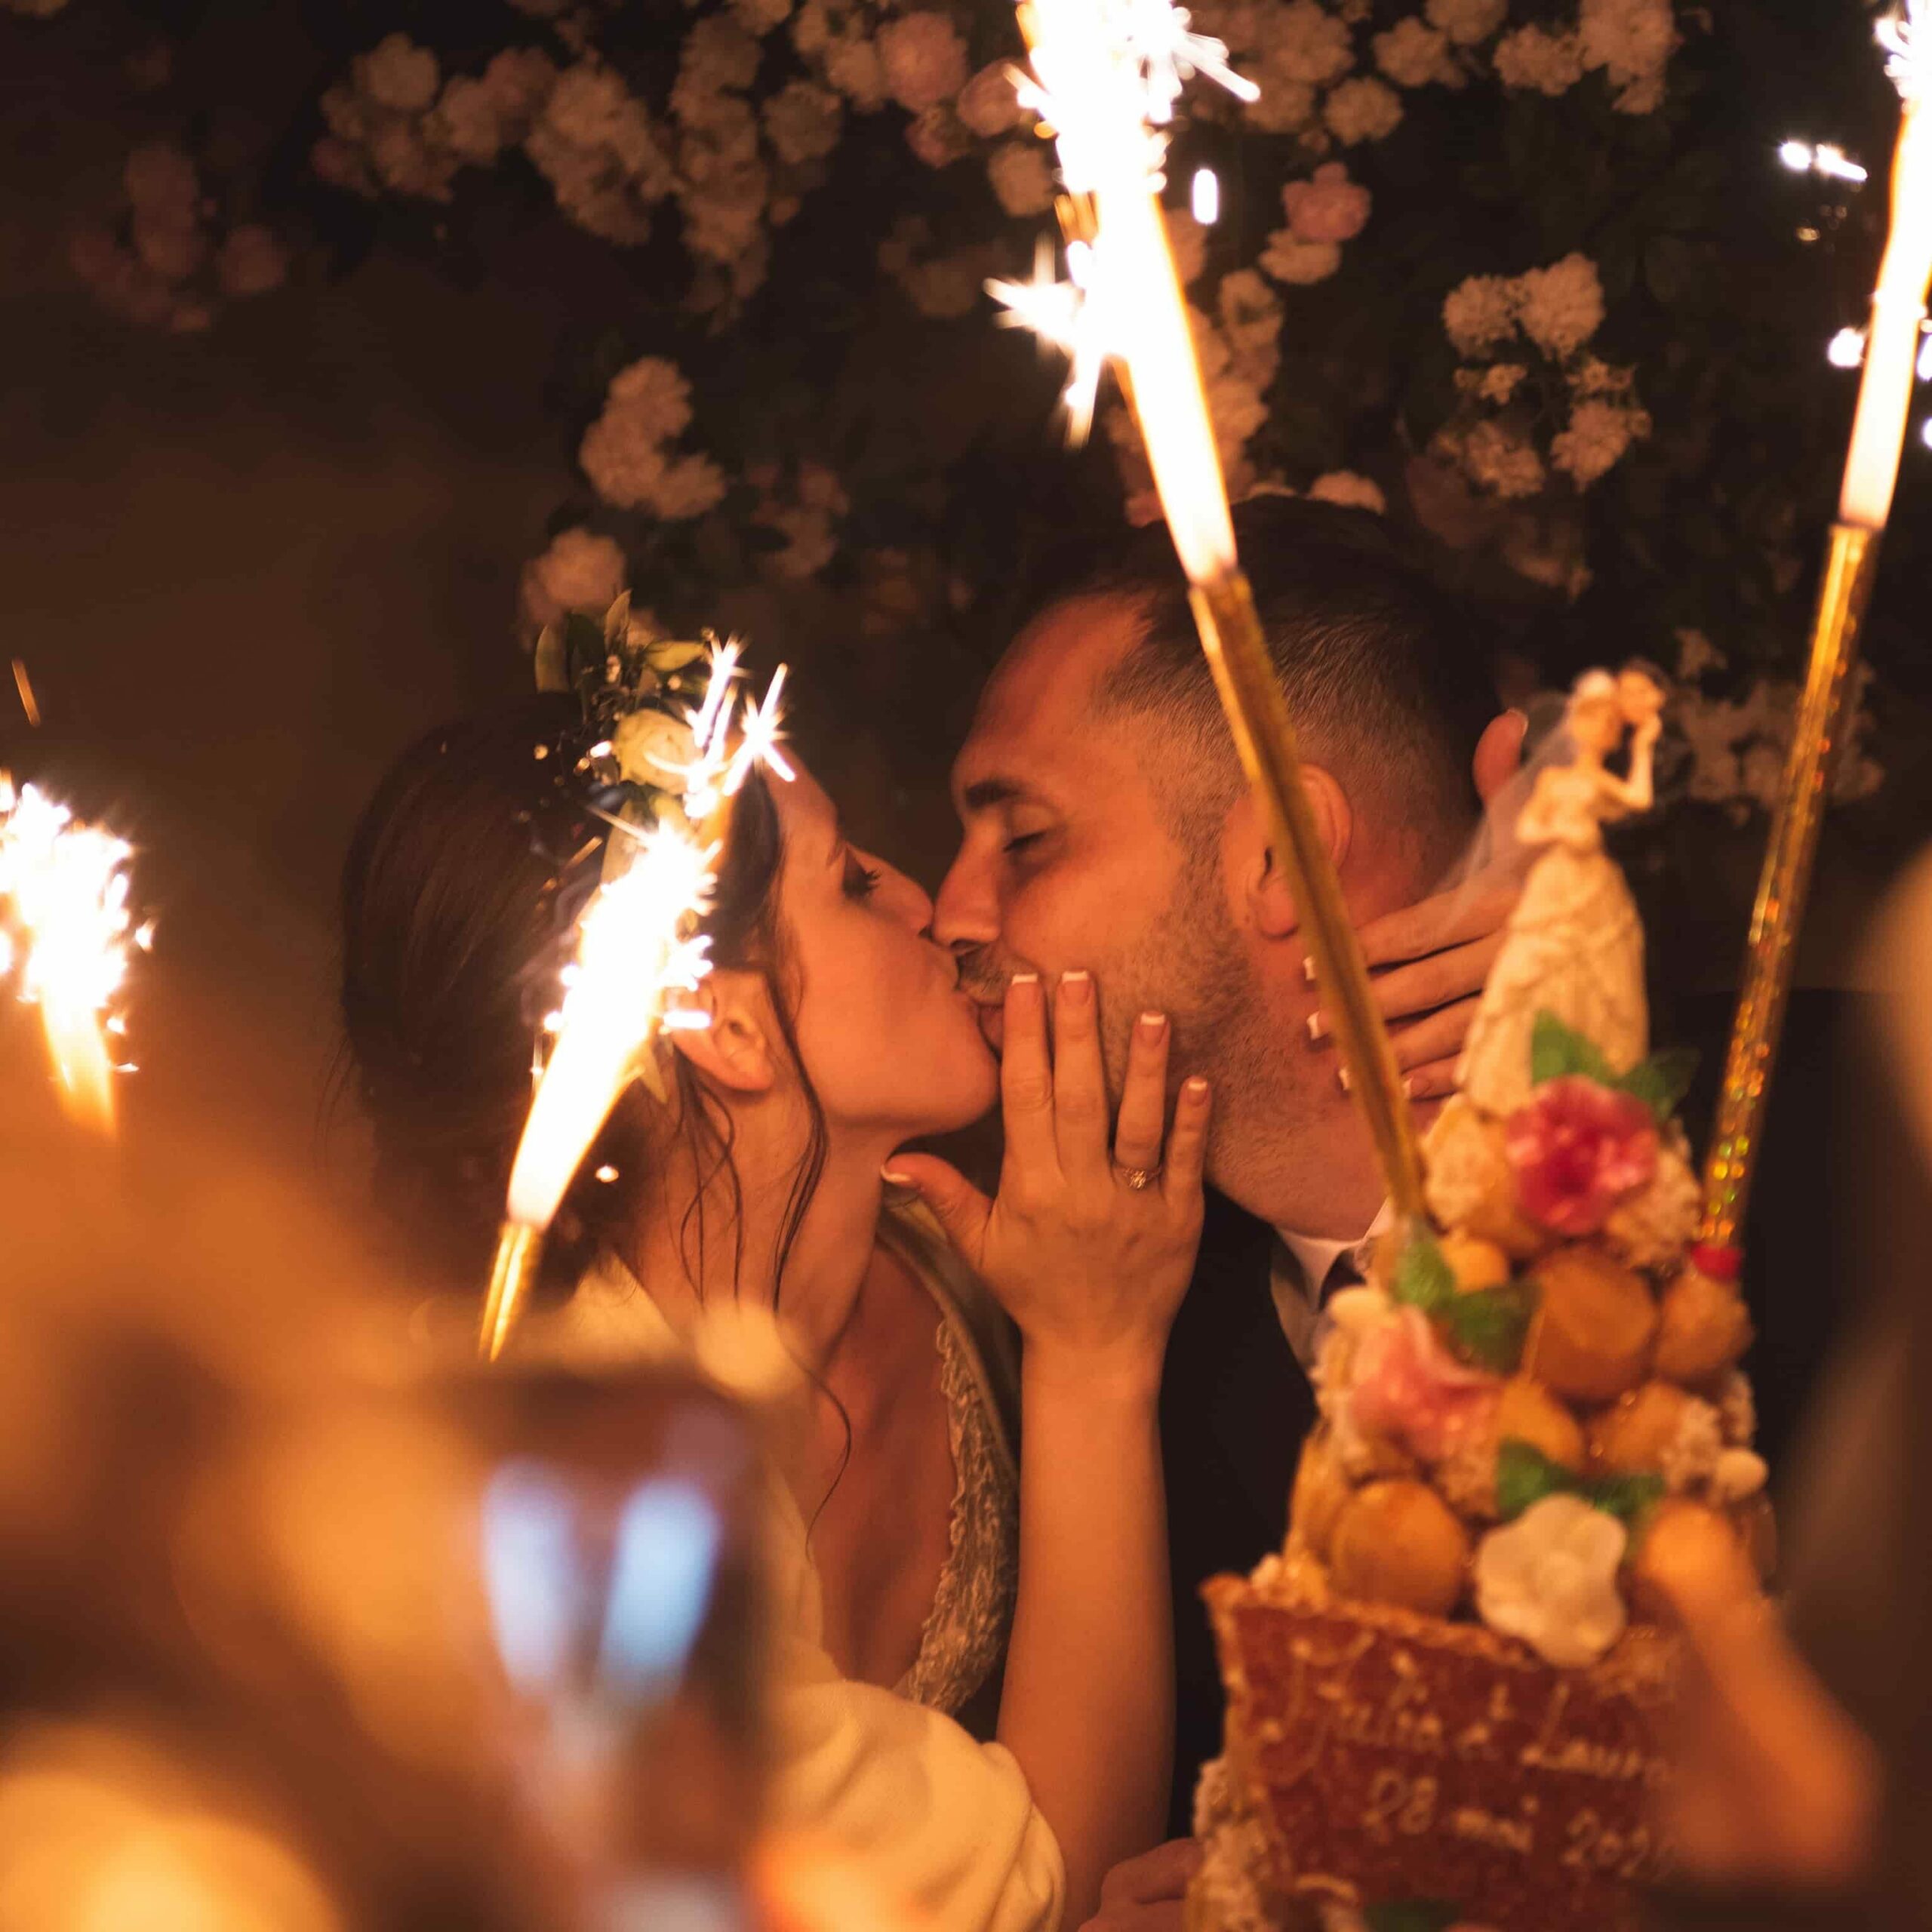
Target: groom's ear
(735,1050)
(1260,875)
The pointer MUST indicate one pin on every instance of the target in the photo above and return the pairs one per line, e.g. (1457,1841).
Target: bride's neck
(697,1239)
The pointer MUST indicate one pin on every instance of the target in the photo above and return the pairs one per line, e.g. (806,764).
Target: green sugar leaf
(1556,1050)
(1424,1278)
(1661,1081)
(1524,1475)
(1629,1499)
(1488,1327)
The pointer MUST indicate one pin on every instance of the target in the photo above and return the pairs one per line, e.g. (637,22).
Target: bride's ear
(735,1050)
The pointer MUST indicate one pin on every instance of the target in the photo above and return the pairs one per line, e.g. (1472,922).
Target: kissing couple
(1038,1422)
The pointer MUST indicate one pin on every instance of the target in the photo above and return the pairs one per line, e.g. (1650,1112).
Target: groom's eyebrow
(983,794)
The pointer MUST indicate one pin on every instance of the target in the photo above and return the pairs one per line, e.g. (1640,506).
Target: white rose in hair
(652,747)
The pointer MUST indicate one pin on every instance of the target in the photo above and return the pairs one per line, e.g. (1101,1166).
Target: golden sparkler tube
(1851,565)
(1258,712)
(518,1248)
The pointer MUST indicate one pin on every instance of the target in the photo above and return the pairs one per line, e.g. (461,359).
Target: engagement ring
(1140,1179)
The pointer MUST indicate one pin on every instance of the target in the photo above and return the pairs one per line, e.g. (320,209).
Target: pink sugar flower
(1407,1386)
(1577,1149)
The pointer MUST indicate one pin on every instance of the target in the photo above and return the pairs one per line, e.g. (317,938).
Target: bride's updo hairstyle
(463,885)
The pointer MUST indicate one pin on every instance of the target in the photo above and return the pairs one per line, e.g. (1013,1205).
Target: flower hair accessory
(672,743)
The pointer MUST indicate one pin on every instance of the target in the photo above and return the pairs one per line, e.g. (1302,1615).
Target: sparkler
(638,950)
(1872,468)
(1105,74)
(66,927)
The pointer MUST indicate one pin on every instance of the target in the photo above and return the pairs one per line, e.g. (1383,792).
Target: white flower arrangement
(626,452)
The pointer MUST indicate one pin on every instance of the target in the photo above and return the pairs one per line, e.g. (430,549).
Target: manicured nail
(1318,1027)
(1152,1026)
(1076,988)
(1023,980)
(893,1178)
(1194,1087)
(1408,1087)
(1308,968)
(1342,1075)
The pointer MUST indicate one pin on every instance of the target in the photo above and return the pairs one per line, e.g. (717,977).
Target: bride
(973,1686)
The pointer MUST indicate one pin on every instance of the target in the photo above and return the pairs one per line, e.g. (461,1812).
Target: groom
(1108,826)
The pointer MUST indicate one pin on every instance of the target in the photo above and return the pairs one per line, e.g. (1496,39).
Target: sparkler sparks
(65,927)
(1105,75)
(638,951)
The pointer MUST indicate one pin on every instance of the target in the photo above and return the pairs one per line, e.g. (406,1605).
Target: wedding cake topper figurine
(1449,1690)
(1574,946)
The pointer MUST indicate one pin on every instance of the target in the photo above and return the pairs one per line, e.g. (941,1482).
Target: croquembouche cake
(1447,1695)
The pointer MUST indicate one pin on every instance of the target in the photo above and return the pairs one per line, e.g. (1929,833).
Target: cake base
(1375,1758)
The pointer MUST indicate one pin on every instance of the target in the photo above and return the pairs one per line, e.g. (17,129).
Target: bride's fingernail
(1077,989)
(1152,1026)
(1308,968)
(1022,979)
(1194,1087)
(1317,1028)
(1347,1085)
(893,1178)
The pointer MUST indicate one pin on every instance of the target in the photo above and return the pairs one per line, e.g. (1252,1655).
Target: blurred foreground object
(262,1660)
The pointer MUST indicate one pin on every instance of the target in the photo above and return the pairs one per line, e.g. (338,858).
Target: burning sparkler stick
(65,926)
(1105,76)
(637,948)
(1851,557)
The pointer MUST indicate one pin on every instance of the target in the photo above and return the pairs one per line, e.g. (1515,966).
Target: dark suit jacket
(1236,1404)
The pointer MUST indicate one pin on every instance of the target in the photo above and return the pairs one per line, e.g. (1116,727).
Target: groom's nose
(966,912)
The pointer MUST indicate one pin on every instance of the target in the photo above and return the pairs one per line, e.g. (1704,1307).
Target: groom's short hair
(1386,675)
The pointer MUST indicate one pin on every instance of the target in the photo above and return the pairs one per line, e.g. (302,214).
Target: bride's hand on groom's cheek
(1089,1242)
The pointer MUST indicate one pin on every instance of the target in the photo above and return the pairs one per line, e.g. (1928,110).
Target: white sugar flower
(1480,313)
(1549,1578)
(1362,110)
(398,74)
(1534,58)
(1413,54)
(1465,21)
(579,571)
(1287,258)
(924,60)
(1352,491)
(1561,305)
(1022,176)
(1690,1459)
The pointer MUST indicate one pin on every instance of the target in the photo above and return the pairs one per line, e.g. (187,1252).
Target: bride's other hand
(1090,1243)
